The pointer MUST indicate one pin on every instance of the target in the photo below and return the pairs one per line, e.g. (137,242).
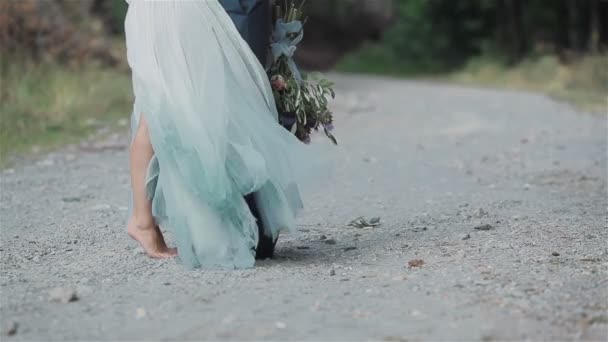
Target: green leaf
(362,222)
(330,136)
(326,83)
(315,76)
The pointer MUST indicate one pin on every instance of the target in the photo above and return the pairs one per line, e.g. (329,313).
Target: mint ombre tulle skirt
(213,125)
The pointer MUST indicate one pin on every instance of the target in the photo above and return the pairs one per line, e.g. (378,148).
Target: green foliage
(583,82)
(47,104)
(525,44)
(306,97)
(117,11)
(435,35)
(427,36)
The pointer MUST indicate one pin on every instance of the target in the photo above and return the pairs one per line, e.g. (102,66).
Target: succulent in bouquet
(302,99)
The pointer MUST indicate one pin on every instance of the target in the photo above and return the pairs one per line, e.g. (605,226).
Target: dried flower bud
(278,83)
(329,127)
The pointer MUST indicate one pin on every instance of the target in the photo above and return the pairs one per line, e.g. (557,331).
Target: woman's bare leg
(142,226)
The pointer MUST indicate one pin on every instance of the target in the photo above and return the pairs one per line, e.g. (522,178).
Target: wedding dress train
(213,125)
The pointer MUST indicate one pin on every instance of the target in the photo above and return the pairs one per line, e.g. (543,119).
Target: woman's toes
(166,254)
(157,255)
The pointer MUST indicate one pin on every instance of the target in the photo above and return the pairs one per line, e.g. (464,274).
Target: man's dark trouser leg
(252,19)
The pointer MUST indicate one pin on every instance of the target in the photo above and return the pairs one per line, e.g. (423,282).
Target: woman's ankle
(145,222)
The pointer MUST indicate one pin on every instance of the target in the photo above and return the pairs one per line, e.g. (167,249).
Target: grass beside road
(583,82)
(47,105)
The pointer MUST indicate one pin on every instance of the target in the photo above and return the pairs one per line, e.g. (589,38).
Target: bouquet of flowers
(302,99)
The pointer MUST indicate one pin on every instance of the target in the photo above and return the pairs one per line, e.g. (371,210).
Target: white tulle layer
(213,126)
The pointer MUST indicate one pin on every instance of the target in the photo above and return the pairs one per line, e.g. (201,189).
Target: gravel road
(501,195)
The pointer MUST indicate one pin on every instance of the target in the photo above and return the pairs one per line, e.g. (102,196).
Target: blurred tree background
(64,71)
(440,35)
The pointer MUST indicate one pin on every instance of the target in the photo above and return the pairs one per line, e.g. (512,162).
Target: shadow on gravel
(288,255)
(338,247)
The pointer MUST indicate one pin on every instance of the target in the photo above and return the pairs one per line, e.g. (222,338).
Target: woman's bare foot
(151,240)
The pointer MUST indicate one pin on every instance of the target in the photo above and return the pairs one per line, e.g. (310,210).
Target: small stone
(101,207)
(332,273)
(350,248)
(527,186)
(484,227)
(466,236)
(303,247)
(46,162)
(482,282)
(167,283)
(323,237)
(480,213)
(84,290)
(280,325)
(63,295)
(415,263)
(140,313)
(555,254)
(416,313)
(228,319)
(330,241)
(10,328)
